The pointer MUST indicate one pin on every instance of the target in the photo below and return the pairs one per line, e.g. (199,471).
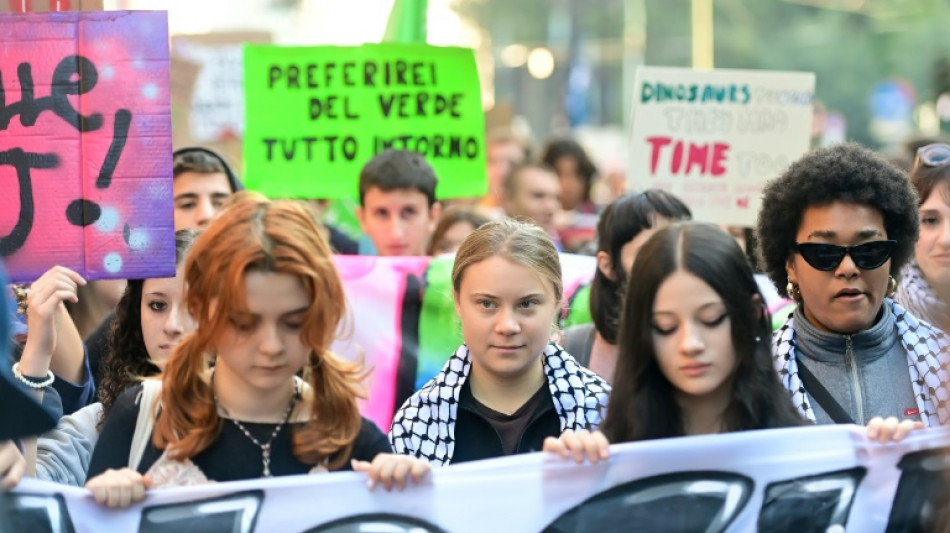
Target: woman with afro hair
(834,231)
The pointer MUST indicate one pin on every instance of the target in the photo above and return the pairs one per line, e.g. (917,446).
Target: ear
(359,216)
(604,264)
(435,213)
(455,300)
(790,270)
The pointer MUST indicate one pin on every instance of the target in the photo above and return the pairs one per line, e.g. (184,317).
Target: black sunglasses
(867,255)
(934,155)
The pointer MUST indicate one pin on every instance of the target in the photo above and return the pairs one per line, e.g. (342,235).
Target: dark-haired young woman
(624,226)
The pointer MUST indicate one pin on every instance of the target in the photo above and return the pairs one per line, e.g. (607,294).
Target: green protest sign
(316,115)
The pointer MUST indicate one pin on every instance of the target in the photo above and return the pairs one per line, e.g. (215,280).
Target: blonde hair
(253,234)
(520,242)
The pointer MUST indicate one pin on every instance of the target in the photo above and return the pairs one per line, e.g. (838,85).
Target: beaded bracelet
(31,382)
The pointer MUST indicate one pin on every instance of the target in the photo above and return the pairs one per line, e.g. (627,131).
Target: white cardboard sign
(715,137)
(824,478)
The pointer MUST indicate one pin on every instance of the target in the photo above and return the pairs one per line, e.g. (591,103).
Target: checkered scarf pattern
(927,360)
(915,294)
(425,425)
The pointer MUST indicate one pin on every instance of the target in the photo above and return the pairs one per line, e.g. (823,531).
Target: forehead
(843,219)
(683,290)
(162,285)
(273,293)
(502,276)
(395,199)
(536,178)
(459,230)
(939,196)
(199,182)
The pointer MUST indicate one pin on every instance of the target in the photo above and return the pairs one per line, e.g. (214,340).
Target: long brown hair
(127,361)
(253,234)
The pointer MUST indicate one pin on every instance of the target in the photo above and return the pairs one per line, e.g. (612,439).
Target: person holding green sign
(398,209)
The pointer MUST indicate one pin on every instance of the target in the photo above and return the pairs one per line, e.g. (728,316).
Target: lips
(850,293)
(695,369)
(508,348)
(395,249)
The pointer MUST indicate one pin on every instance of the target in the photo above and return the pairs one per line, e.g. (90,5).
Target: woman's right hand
(44,307)
(579,445)
(118,488)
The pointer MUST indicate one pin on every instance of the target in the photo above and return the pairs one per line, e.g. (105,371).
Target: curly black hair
(127,361)
(845,173)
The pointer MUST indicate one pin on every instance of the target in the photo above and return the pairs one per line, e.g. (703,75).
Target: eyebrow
(194,196)
(283,315)
(701,308)
(488,295)
(156,293)
(828,234)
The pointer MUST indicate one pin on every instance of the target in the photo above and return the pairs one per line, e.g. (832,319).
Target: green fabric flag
(316,115)
(407,22)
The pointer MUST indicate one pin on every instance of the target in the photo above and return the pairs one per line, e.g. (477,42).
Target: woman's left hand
(392,470)
(12,465)
(891,429)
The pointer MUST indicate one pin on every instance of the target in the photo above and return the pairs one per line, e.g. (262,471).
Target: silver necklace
(266,447)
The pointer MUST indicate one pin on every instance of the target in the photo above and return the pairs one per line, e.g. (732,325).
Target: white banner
(715,137)
(825,478)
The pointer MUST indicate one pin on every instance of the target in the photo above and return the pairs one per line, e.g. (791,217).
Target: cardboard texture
(316,115)
(38,6)
(85,144)
(715,137)
(216,109)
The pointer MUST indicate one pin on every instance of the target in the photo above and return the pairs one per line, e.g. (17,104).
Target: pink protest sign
(402,324)
(85,144)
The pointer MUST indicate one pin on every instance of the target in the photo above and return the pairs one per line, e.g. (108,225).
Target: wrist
(30,381)
(33,362)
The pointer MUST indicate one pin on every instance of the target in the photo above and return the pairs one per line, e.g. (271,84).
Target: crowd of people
(224,372)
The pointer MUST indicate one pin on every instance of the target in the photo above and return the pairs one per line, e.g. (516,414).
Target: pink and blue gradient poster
(85,144)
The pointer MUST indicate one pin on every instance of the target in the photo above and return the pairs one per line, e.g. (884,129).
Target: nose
(847,268)
(691,340)
(174,324)
(396,228)
(270,342)
(507,323)
(204,211)
(944,237)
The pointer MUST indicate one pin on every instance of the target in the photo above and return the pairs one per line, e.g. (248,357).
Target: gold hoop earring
(891,286)
(793,291)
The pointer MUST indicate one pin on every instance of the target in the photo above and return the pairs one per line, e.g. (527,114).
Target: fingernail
(370,484)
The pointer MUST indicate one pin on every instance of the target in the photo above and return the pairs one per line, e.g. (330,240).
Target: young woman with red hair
(264,292)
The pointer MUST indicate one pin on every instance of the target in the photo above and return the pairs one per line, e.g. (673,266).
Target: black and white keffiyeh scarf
(916,295)
(425,425)
(927,359)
